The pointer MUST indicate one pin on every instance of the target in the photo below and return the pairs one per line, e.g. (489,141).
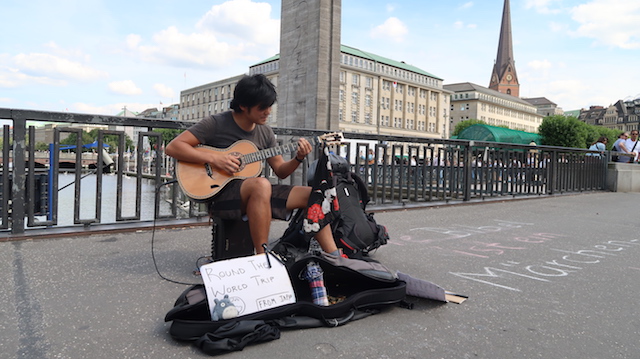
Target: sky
(98,56)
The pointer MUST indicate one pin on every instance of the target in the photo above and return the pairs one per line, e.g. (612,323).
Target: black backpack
(355,231)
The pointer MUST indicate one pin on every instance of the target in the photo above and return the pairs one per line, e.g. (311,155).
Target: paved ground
(546,278)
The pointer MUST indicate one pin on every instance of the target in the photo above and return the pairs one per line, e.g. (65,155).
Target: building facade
(624,115)
(207,99)
(545,106)
(377,96)
(471,101)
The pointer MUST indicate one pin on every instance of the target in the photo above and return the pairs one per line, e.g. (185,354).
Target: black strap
(237,335)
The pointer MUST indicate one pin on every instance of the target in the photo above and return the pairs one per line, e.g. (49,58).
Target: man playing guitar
(254,197)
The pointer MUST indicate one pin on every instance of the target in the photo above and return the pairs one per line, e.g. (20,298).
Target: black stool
(230,239)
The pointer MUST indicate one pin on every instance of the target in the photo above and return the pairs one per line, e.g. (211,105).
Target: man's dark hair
(254,90)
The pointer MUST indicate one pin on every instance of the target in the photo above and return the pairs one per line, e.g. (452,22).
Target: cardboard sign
(252,283)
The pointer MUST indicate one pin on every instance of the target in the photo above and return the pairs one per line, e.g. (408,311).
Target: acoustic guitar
(201,182)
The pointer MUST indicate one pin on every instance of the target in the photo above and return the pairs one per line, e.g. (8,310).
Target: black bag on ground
(364,288)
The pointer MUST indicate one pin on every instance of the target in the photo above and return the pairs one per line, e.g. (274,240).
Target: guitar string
(273,151)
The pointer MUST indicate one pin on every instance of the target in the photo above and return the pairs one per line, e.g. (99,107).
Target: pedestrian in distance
(632,147)
(600,145)
(619,146)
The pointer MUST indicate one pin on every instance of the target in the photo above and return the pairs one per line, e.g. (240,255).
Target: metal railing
(403,172)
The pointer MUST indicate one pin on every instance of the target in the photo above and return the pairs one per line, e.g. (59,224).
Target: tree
(466,123)
(71,140)
(563,131)
(41,146)
(168,134)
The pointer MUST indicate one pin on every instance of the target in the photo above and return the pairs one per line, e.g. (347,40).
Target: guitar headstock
(333,138)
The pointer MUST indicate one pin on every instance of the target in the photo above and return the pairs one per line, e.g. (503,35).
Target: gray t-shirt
(221,131)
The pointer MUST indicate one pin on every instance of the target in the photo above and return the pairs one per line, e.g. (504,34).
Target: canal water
(109,198)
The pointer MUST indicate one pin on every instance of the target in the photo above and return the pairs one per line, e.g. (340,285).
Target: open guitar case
(364,288)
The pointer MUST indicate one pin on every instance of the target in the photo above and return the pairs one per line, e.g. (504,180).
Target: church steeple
(503,77)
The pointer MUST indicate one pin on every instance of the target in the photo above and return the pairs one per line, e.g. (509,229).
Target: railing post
(552,173)
(466,181)
(18,189)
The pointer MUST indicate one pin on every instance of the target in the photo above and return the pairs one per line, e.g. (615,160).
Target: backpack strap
(362,189)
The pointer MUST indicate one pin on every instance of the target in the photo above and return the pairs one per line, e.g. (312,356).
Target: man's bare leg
(256,200)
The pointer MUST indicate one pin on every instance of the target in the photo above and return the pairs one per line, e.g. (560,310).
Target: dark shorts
(228,204)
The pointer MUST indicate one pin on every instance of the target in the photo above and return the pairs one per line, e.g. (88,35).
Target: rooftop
(370,56)
(468,86)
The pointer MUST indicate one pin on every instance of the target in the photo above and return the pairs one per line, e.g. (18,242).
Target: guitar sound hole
(240,157)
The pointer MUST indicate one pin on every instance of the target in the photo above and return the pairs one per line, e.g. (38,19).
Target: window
(343,76)
(341,95)
(354,98)
(367,100)
(367,118)
(355,80)
(383,122)
(397,122)
(369,82)
(354,116)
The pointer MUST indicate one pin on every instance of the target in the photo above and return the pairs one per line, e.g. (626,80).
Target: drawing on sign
(251,283)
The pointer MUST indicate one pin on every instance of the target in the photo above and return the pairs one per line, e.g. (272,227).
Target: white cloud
(540,64)
(466,5)
(392,28)
(41,65)
(543,6)
(460,25)
(242,19)
(609,22)
(11,77)
(558,27)
(164,91)
(126,87)
(53,47)
(232,31)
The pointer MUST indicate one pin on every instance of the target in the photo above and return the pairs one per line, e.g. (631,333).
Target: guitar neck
(275,151)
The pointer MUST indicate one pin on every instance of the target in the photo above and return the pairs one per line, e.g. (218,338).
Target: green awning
(498,134)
